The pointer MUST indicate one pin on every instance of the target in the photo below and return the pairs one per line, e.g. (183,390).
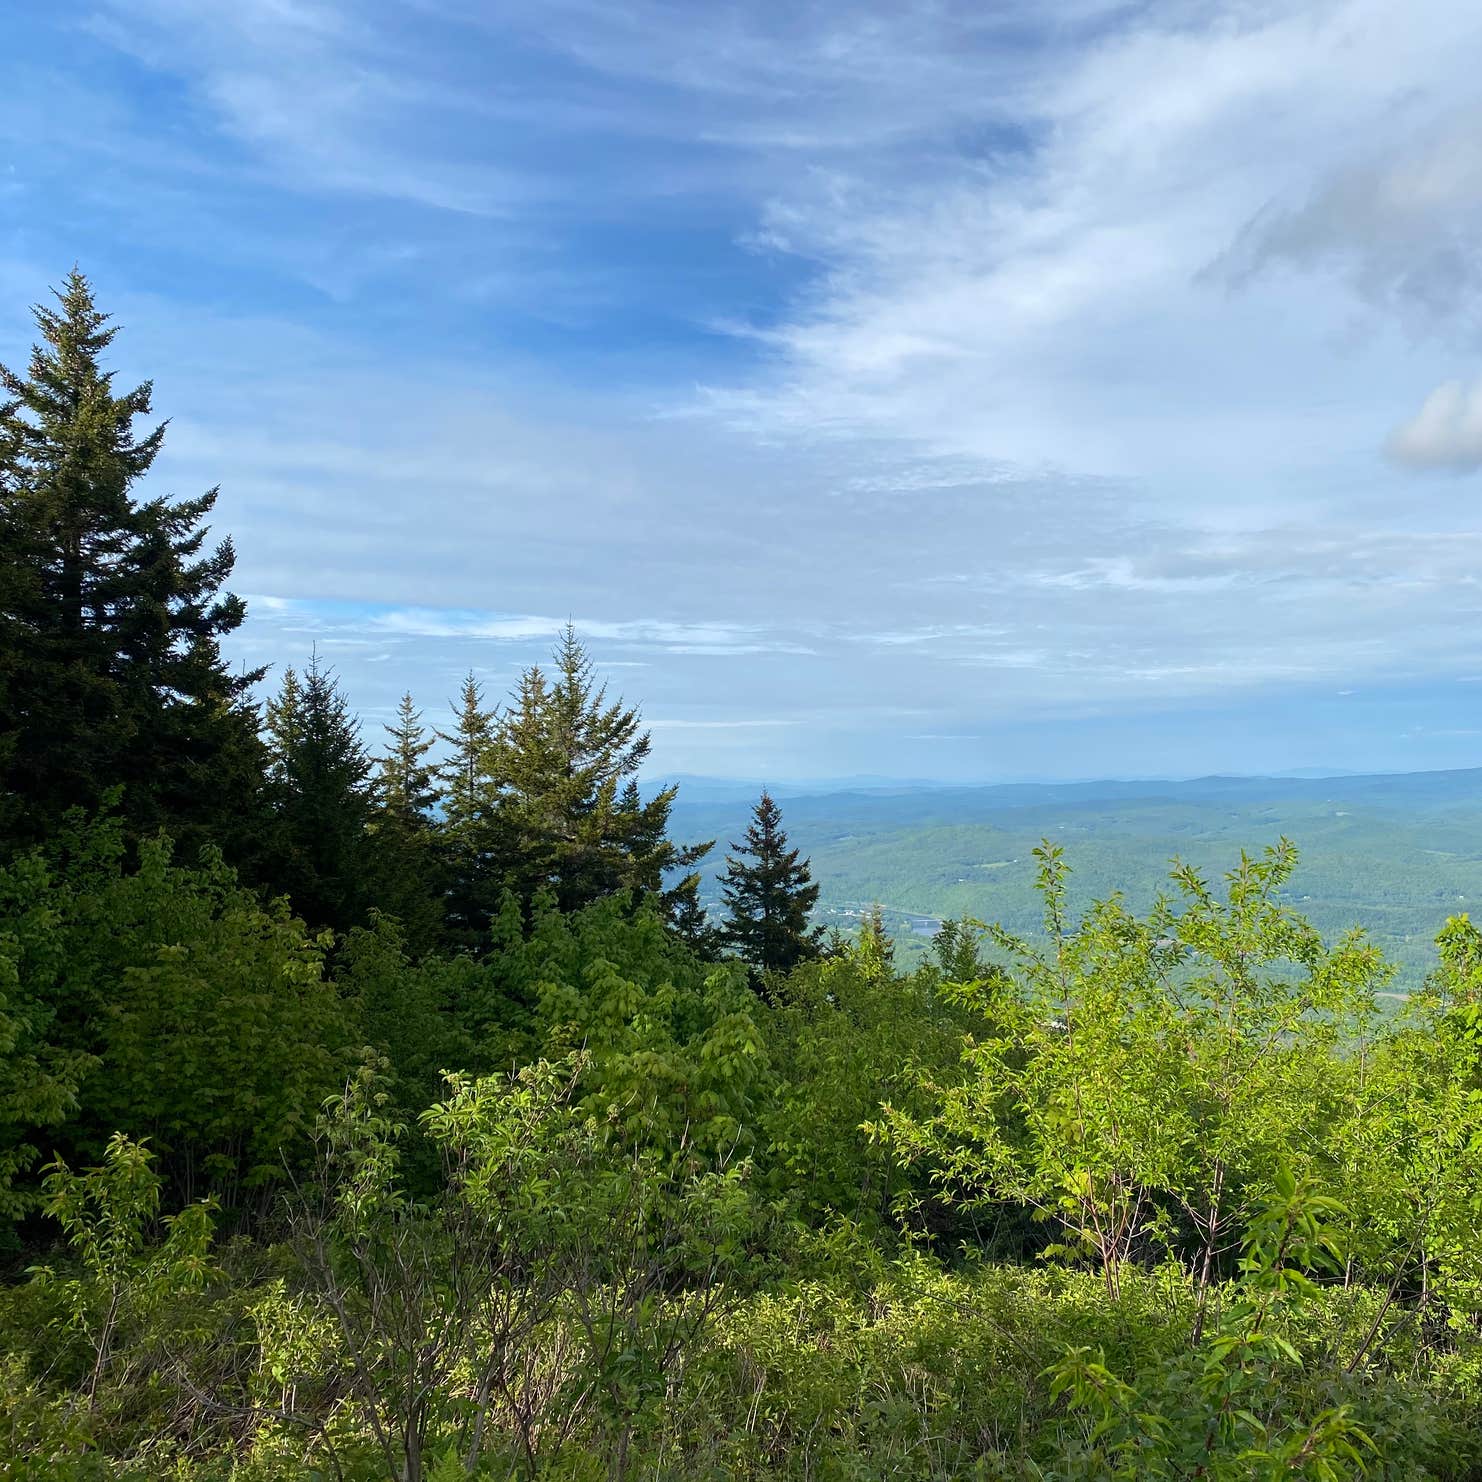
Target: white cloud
(339,623)
(1446,433)
(1403,222)
(1052,307)
(321,94)
(746,723)
(674,637)
(1043,351)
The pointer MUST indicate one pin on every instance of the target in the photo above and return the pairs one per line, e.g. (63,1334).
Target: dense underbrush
(1168,1199)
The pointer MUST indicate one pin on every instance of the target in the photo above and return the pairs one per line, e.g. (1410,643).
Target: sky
(928,390)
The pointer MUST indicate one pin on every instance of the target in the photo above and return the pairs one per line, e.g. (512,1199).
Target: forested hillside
(1395,855)
(388,1106)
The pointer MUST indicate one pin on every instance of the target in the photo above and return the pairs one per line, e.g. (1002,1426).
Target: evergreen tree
(19,596)
(873,948)
(112,610)
(569,813)
(464,774)
(769,894)
(956,947)
(408,874)
(474,881)
(691,923)
(320,785)
(406,783)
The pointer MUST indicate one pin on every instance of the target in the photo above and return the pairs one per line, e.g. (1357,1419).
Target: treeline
(116,697)
(402,1116)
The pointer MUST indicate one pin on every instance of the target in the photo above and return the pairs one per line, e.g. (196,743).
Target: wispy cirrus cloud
(340,621)
(720,639)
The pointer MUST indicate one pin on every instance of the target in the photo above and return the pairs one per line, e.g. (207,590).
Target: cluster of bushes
(1170,1198)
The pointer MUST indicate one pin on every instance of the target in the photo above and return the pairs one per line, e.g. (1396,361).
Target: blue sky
(928,390)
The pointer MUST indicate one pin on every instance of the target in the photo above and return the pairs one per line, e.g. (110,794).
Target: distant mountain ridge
(1443,784)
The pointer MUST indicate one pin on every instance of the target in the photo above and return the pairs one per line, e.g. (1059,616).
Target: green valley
(1393,854)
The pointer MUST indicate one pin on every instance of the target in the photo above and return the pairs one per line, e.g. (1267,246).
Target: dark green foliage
(957,948)
(415,1013)
(563,793)
(543,796)
(319,782)
(111,611)
(769,896)
(474,881)
(167,1002)
(39,1076)
(406,783)
(691,923)
(409,858)
(674,1047)
(847,1038)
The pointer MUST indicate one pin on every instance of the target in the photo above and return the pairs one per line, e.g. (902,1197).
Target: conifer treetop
(117,606)
(769,895)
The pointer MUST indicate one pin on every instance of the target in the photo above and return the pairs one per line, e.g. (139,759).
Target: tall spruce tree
(112,610)
(321,790)
(464,773)
(769,894)
(474,880)
(570,816)
(406,782)
(408,874)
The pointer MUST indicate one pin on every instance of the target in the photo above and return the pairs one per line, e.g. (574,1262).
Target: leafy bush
(1166,1199)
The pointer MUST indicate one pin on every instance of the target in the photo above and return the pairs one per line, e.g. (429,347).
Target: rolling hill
(1395,854)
